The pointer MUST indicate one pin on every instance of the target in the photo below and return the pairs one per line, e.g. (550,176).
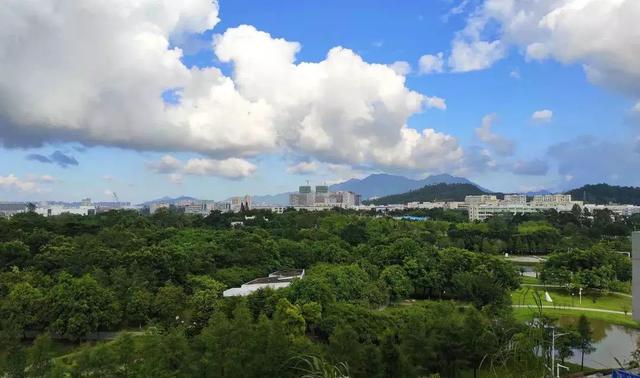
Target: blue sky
(587,132)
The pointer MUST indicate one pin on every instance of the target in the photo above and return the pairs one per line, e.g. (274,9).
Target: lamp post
(554,336)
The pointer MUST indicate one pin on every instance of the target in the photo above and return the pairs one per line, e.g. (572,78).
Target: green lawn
(563,298)
(530,280)
(525,314)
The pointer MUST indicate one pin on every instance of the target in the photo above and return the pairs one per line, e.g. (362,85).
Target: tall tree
(585,338)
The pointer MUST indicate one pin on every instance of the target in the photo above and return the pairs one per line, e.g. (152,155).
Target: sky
(213,99)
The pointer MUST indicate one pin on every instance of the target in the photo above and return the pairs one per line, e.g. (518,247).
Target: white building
(517,204)
(480,199)
(322,198)
(624,210)
(53,210)
(276,280)
(9,209)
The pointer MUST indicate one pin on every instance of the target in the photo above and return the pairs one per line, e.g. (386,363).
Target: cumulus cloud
(431,63)
(166,164)
(474,55)
(95,72)
(339,110)
(500,144)
(232,168)
(436,102)
(401,67)
(303,168)
(544,115)
(564,30)
(28,185)
(58,157)
(534,167)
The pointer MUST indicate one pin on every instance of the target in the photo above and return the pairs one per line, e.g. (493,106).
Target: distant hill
(169,200)
(429,193)
(379,185)
(603,194)
(281,199)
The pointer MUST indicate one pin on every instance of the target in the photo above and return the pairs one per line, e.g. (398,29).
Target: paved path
(575,308)
(560,286)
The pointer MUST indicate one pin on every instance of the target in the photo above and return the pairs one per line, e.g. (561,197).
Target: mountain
(281,199)
(169,200)
(429,193)
(379,185)
(603,194)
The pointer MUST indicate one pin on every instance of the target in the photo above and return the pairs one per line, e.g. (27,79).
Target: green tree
(79,306)
(585,339)
(40,356)
(395,277)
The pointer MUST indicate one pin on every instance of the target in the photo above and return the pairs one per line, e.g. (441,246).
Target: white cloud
(46,179)
(401,67)
(303,168)
(339,110)
(501,145)
(515,74)
(544,115)
(175,178)
(232,168)
(567,31)
(436,102)
(94,72)
(166,164)
(474,55)
(636,107)
(431,63)
(28,185)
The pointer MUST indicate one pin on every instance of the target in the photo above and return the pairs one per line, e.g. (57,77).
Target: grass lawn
(563,298)
(525,314)
(530,280)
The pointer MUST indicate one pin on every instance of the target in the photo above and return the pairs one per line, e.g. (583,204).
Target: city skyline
(220,99)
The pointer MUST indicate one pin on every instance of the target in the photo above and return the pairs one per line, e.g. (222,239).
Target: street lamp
(554,336)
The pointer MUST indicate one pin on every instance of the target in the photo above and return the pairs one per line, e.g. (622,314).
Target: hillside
(378,185)
(375,185)
(604,194)
(438,192)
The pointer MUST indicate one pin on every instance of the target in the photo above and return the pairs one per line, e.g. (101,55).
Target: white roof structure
(276,280)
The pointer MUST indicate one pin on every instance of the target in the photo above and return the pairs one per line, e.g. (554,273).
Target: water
(611,342)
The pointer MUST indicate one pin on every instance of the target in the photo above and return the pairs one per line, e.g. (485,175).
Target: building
(480,199)
(157,206)
(85,202)
(483,208)
(236,203)
(275,280)
(515,199)
(546,200)
(53,210)
(9,209)
(322,198)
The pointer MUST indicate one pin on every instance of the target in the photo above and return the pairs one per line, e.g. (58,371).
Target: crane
(117,199)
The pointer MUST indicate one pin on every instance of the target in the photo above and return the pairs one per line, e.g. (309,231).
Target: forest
(381,297)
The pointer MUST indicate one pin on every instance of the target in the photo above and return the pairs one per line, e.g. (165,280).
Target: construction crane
(117,199)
